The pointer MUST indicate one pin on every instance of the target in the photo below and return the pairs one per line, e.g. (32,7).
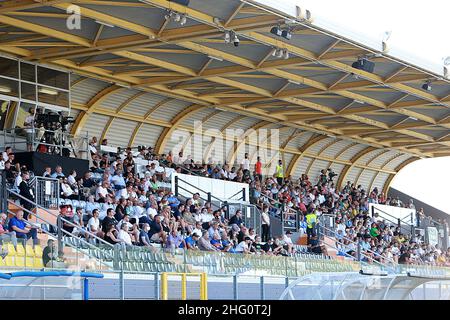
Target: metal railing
(46,191)
(360,255)
(59,141)
(285,214)
(209,198)
(408,227)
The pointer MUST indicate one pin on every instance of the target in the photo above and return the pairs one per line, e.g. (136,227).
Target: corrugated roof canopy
(364,125)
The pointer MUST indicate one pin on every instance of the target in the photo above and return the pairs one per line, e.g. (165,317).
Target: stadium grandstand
(211,149)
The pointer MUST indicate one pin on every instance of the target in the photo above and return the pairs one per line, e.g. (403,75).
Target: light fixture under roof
(5,89)
(48,91)
(183,20)
(358,101)
(294,82)
(427,86)
(104,24)
(215,58)
(236,40)
(412,118)
(279,53)
(227,37)
(276,31)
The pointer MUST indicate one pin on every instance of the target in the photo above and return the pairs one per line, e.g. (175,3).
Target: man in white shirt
(224,172)
(94,225)
(245,164)
(125,220)
(71,178)
(288,241)
(5,154)
(29,127)
(178,159)
(124,236)
(66,190)
(198,228)
(232,174)
(152,210)
(243,246)
(101,192)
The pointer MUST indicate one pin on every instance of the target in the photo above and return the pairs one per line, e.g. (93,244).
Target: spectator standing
(311,219)
(279,172)
(26,192)
(258,168)
(265,223)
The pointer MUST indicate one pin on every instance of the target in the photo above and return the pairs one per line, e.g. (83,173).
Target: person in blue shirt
(216,241)
(173,201)
(58,173)
(191,241)
(23,231)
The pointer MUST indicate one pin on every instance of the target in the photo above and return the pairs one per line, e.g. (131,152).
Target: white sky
(420,28)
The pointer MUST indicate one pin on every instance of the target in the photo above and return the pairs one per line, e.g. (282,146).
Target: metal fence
(46,191)
(57,142)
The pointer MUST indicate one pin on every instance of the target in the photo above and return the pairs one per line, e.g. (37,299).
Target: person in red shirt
(258,168)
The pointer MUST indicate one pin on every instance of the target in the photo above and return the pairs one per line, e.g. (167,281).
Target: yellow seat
(19,261)
(38,251)
(38,263)
(29,262)
(29,251)
(11,249)
(9,261)
(2,262)
(20,250)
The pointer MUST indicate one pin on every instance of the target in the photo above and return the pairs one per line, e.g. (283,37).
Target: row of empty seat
(22,256)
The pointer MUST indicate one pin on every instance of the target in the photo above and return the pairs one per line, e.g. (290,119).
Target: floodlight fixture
(286,34)
(236,40)
(183,20)
(276,31)
(427,86)
(227,37)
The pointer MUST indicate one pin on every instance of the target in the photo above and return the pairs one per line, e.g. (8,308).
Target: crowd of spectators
(127,206)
